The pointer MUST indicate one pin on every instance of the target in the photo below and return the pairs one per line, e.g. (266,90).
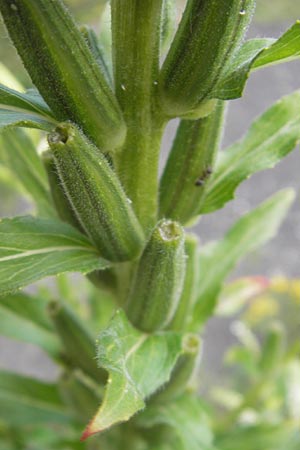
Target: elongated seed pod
(63,69)
(78,343)
(273,349)
(60,200)
(158,281)
(96,195)
(208,34)
(79,394)
(184,369)
(188,295)
(189,166)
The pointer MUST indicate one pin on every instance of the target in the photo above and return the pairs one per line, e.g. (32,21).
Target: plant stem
(135,30)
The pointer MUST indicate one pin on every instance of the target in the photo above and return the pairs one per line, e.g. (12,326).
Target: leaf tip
(89,431)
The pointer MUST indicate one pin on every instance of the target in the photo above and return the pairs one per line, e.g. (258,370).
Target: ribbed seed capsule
(79,394)
(60,200)
(63,68)
(96,195)
(77,341)
(189,166)
(184,369)
(208,34)
(158,281)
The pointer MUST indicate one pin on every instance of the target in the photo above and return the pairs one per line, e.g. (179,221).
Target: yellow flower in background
(280,284)
(295,290)
(262,308)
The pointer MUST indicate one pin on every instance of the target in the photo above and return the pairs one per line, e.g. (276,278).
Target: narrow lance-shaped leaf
(97,51)
(24,318)
(271,137)
(168,24)
(138,364)
(18,118)
(218,259)
(195,62)
(25,401)
(190,164)
(253,55)
(18,153)
(29,101)
(31,249)
(157,284)
(185,417)
(62,67)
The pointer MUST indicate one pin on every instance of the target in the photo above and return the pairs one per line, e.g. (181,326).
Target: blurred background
(279,257)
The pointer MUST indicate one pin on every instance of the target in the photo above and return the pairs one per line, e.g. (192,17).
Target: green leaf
(218,259)
(255,54)
(138,364)
(261,437)
(19,118)
(30,101)
(286,48)
(31,249)
(25,401)
(24,318)
(186,418)
(271,137)
(18,153)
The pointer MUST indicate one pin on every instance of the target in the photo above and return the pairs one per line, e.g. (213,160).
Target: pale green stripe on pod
(60,200)
(189,290)
(208,34)
(189,166)
(78,343)
(158,281)
(63,68)
(96,195)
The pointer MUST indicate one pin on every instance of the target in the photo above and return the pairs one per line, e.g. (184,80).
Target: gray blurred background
(280,256)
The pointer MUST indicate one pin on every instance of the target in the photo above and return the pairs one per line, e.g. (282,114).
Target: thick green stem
(135,28)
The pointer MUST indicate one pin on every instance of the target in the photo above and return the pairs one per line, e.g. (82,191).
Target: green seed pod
(104,279)
(60,200)
(190,163)
(77,342)
(184,369)
(209,33)
(158,281)
(189,290)
(63,68)
(79,394)
(96,195)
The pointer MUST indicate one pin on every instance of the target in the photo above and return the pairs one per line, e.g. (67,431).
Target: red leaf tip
(88,432)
